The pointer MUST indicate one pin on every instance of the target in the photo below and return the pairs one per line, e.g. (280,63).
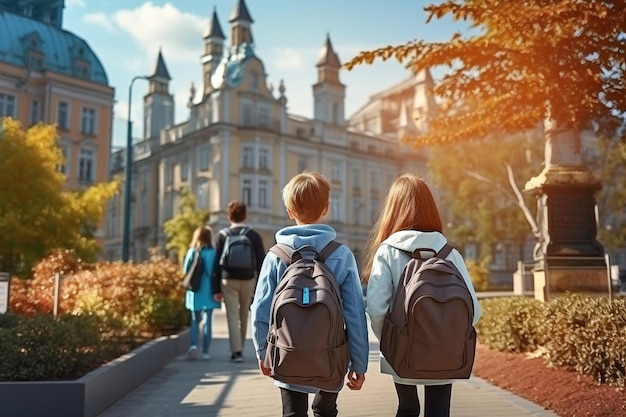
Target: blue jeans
(194,326)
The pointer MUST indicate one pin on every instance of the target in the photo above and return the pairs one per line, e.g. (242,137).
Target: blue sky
(127,34)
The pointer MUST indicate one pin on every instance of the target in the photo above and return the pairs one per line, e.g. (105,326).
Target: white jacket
(389,261)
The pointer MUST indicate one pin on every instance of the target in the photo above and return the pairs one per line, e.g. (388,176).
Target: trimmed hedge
(104,310)
(582,334)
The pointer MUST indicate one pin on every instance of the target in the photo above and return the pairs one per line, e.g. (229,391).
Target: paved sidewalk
(219,388)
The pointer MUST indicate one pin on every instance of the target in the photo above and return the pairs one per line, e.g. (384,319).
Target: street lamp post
(129,163)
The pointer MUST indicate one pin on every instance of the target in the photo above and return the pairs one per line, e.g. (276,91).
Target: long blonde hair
(409,205)
(202,238)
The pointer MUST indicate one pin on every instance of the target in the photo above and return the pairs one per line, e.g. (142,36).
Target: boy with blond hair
(306,198)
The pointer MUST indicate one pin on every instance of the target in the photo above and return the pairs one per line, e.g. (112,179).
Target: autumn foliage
(37,212)
(519,64)
(146,299)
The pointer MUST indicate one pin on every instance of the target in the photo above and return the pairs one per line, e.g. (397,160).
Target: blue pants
(204,317)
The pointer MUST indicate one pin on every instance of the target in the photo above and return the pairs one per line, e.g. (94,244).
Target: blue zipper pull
(305,295)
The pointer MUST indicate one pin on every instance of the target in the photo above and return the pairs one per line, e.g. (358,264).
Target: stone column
(567,257)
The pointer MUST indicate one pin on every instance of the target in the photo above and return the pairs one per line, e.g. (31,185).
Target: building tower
(158,104)
(241,22)
(329,93)
(213,51)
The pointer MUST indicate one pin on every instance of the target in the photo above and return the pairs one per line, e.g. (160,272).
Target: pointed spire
(240,12)
(214,30)
(160,70)
(327,56)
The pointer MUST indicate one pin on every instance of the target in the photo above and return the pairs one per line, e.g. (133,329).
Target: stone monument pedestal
(568,258)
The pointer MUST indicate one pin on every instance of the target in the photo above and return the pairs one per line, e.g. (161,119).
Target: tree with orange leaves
(528,62)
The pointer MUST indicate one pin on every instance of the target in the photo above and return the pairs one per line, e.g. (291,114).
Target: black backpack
(193,276)
(238,254)
(428,331)
(307,343)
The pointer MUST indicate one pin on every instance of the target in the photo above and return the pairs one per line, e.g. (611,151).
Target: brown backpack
(428,331)
(307,342)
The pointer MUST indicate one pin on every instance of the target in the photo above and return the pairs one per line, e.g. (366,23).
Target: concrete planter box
(93,393)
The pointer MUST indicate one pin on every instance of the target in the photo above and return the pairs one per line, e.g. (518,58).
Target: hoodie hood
(409,240)
(316,235)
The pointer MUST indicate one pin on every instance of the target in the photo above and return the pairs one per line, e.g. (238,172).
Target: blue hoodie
(344,268)
(203,299)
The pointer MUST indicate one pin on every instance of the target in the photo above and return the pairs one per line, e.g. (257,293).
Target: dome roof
(60,48)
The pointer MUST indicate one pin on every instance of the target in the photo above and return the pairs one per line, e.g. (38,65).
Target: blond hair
(307,196)
(409,205)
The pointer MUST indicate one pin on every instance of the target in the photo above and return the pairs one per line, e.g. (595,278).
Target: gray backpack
(238,253)
(428,331)
(307,342)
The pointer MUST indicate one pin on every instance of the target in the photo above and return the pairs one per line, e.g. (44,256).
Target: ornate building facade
(50,75)
(240,143)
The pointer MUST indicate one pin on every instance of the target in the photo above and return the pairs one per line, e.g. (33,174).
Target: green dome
(60,48)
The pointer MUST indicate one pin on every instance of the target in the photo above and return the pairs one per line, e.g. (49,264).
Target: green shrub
(104,310)
(42,348)
(511,324)
(588,335)
(583,334)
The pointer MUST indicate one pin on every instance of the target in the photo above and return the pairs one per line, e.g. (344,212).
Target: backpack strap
(226,231)
(244,230)
(286,253)
(444,252)
(328,250)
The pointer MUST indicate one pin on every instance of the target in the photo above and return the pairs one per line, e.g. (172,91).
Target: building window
(184,170)
(336,171)
(264,158)
(169,174)
(264,116)
(356,179)
(373,209)
(263,193)
(168,209)
(248,156)
(65,150)
(7,105)
(35,61)
(35,112)
(254,80)
(203,158)
(374,181)
(88,121)
(202,194)
(301,163)
(356,210)
(335,206)
(86,164)
(246,114)
(335,113)
(63,115)
(114,216)
(144,218)
(246,191)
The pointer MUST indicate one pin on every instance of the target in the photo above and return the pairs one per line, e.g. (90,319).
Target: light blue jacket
(203,299)
(389,261)
(344,267)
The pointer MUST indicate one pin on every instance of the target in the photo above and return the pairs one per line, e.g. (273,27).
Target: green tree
(179,229)
(481,199)
(37,213)
(523,63)
(610,165)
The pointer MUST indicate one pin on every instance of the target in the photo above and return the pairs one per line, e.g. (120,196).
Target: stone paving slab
(220,388)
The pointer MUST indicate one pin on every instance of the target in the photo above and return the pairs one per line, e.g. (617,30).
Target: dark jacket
(259,252)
